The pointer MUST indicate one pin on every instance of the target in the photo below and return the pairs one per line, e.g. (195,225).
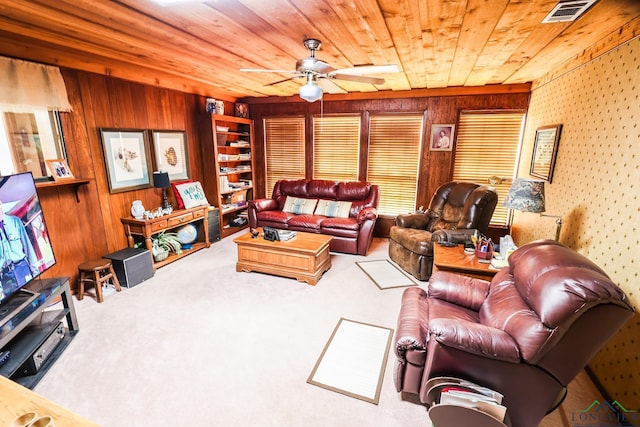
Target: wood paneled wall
(91,228)
(436,166)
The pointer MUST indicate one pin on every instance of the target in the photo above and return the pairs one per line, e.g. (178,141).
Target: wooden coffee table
(304,258)
(455,260)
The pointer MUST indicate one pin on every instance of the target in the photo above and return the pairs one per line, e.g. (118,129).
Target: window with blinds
(394,156)
(487,145)
(284,143)
(336,142)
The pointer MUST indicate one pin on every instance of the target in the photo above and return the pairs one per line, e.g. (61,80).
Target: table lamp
(527,195)
(161,180)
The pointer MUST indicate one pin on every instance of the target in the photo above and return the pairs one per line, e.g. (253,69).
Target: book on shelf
(239,144)
(224,184)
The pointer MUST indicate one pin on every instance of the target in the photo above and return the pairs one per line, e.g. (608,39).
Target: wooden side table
(178,218)
(454,259)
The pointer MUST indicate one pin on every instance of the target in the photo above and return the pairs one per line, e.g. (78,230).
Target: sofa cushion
(298,205)
(340,227)
(275,217)
(322,189)
(305,223)
(333,209)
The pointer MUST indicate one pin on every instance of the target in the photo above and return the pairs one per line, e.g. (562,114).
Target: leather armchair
(525,334)
(455,211)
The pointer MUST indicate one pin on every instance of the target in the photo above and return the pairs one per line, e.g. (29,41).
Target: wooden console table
(147,228)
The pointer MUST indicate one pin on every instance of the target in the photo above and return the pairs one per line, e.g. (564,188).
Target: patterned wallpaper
(596,189)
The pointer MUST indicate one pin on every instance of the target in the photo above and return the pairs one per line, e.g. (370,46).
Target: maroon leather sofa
(525,334)
(349,235)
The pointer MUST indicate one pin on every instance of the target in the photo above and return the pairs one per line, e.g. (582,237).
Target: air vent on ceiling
(566,11)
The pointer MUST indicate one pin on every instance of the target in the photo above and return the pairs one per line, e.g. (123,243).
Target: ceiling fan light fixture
(310,92)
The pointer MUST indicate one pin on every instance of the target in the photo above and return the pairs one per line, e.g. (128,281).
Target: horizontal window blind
(487,145)
(336,142)
(394,156)
(284,143)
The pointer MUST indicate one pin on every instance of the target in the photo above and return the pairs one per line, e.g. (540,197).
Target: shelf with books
(233,157)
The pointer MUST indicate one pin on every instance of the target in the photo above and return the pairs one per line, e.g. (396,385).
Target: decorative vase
(137,210)
(219,107)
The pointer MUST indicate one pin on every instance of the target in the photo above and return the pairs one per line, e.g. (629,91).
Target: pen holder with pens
(484,249)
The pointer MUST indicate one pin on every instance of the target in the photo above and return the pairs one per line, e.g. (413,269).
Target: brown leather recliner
(455,211)
(525,334)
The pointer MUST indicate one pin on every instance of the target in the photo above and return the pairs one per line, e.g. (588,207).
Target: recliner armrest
(465,291)
(367,214)
(475,338)
(264,204)
(411,332)
(460,235)
(418,221)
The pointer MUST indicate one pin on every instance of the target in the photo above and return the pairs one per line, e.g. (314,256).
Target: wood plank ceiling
(200,46)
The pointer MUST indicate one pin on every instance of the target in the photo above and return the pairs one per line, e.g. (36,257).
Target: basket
(222,138)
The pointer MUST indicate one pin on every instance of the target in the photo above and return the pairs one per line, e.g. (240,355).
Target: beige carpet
(200,344)
(353,361)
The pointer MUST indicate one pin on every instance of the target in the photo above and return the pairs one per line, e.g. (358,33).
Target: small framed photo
(171,153)
(127,159)
(59,169)
(441,137)
(242,110)
(545,151)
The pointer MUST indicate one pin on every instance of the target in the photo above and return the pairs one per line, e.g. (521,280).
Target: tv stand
(34,334)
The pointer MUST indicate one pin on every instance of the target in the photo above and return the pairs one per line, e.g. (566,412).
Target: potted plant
(163,243)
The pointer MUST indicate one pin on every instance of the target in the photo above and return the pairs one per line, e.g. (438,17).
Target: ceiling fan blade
(285,80)
(369,69)
(322,67)
(356,78)
(261,70)
(329,86)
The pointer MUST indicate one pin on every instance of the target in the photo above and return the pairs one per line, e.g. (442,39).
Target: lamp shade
(310,92)
(161,179)
(526,195)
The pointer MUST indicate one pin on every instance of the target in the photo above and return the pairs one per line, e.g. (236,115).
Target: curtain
(25,86)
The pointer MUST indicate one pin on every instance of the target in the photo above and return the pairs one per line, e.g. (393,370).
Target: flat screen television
(25,248)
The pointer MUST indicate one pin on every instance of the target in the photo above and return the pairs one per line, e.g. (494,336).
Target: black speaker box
(132,265)
(214,224)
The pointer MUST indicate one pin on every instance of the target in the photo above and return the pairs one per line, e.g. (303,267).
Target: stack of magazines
(284,235)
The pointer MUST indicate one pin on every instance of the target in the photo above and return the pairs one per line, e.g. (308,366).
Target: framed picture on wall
(171,153)
(59,169)
(441,137)
(545,150)
(127,159)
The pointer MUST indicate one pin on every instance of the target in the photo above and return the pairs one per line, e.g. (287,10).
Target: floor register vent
(567,11)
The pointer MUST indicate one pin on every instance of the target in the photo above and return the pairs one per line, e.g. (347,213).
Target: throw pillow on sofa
(299,206)
(333,209)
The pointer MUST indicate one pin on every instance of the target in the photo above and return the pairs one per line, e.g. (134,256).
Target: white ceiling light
(567,11)
(310,92)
